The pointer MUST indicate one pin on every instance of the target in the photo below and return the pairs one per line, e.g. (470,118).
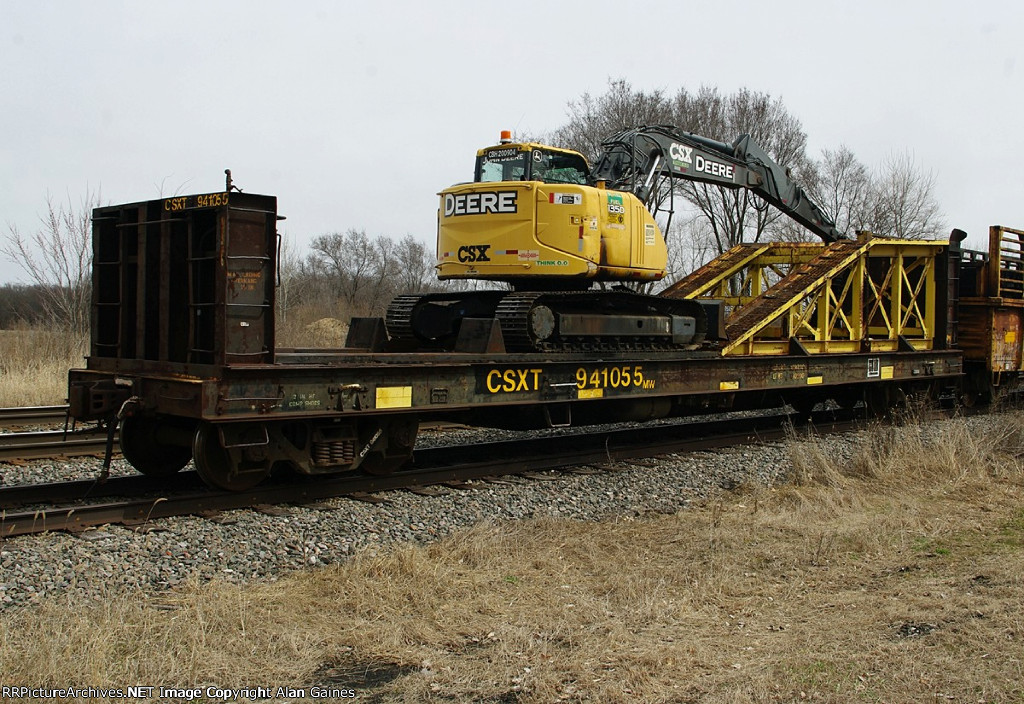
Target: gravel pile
(247,544)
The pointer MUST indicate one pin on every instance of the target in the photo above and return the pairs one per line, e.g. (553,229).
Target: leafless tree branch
(57,258)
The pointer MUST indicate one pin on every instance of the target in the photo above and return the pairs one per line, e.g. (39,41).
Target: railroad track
(136,500)
(43,444)
(31,416)
(40,444)
(52,443)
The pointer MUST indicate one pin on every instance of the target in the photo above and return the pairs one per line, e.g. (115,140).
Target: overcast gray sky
(356,114)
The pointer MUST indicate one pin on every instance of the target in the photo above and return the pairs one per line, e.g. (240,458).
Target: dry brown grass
(895,577)
(34,366)
(34,362)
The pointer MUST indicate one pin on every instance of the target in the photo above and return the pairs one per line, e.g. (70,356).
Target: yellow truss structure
(744,272)
(865,295)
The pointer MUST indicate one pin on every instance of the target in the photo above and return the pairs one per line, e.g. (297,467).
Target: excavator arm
(637,159)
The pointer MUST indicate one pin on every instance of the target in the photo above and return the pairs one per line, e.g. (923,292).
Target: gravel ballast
(249,544)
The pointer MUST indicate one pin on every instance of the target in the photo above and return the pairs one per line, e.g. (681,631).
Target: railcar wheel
(143,449)
(216,466)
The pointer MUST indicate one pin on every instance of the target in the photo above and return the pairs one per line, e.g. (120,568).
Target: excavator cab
(530,162)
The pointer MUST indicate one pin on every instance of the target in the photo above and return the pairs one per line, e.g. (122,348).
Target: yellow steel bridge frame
(865,295)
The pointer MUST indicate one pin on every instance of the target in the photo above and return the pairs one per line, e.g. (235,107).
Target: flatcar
(183,356)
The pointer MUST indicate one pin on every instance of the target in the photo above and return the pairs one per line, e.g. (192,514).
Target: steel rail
(52,443)
(17,417)
(430,466)
(91,440)
(131,486)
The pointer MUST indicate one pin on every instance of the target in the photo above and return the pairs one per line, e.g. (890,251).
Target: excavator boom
(638,159)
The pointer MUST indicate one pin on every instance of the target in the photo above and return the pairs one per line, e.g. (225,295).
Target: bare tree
(735,215)
(19,303)
(842,187)
(895,200)
(592,119)
(902,201)
(382,276)
(313,282)
(289,276)
(350,258)
(690,244)
(366,273)
(415,264)
(58,260)
(731,216)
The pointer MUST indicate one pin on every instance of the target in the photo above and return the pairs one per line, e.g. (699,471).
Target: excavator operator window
(510,164)
(507,164)
(556,167)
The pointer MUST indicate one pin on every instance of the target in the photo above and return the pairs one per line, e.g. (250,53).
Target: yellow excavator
(542,221)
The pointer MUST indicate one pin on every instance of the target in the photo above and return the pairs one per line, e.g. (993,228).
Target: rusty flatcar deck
(343,383)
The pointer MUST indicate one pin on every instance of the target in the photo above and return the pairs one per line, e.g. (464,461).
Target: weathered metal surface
(347,385)
(188,279)
(1006,340)
(991,319)
(18,495)
(1005,274)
